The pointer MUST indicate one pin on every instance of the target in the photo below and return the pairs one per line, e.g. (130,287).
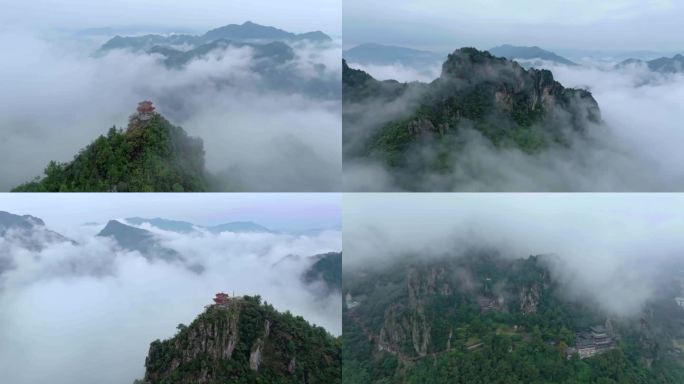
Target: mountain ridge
(512,52)
(241,340)
(246,32)
(664,65)
(150,155)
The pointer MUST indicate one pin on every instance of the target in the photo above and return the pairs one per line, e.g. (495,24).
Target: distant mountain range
(136,239)
(27,232)
(276,51)
(528,53)
(665,65)
(186,227)
(30,232)
(371,53)
(247,32)
(272,50)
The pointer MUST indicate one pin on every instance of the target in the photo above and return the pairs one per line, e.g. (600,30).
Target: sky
(609,247)
(295,16)
(443,25)
(275,211)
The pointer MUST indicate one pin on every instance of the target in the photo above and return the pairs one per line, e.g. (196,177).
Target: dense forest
(246,342)
(485,319)
(149,156)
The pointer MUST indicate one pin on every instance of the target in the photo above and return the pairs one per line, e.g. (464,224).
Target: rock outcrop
(245,342)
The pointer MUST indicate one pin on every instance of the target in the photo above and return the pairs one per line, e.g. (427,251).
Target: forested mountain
(273,52)
(328,270)
(24,231)
(241,340)
(482,318)
(150,155)
(415,128)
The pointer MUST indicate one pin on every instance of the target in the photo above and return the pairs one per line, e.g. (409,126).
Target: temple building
(680,301)
(221,300)
(488,304)
(145,110)
(591,343)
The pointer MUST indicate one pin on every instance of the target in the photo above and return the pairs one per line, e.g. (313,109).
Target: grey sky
(295,16)
(277,211)
(609,248)
(536,223)
(444,25)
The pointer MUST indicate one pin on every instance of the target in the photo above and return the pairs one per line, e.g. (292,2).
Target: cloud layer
(635,149)
(87,313)
(606,248)
(57,97)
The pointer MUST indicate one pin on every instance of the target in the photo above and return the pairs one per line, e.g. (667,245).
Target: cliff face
(245,343)
(414,127)
(420,316)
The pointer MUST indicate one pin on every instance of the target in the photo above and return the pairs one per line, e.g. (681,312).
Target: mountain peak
(9,221)
(26,226)
(115,228)
(468,63)
(239,227)
(150,155)
(245,341)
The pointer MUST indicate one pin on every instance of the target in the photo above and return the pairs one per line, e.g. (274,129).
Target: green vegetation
(150,156)
(328,269)
(523,339)
(291,350)
(509,106)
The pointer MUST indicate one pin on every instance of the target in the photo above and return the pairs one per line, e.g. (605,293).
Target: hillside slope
(245,341)
(151,155)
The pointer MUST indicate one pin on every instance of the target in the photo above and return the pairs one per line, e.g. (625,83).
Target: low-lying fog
(56,97)
(607,248)
(87,313)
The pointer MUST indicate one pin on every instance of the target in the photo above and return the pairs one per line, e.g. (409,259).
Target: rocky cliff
(414,128)
(422,314)
(245,342)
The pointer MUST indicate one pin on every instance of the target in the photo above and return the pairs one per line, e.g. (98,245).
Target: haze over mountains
(589,160)
(135,279)
(215,85)
(377,59)
(497,288)
(246,32)
(528,53)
